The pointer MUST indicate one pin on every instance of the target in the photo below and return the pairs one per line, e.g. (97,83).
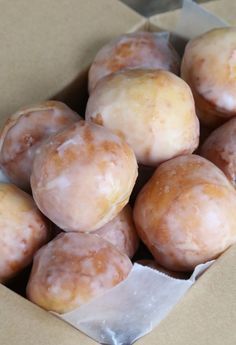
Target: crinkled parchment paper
(194,20)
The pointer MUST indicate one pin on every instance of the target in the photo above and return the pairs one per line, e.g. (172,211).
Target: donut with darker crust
(208,66)
(148,50)
(73,269)
(83,176)
(185,214)
(121,232)
(25,131)
(23,230)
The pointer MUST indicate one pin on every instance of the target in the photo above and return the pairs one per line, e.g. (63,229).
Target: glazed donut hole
(185,214)
(146,50)
(23,230)
(73,269)
(220,148)
(121,232)
(25,131)
(208,66)
(87,168)
(153,110)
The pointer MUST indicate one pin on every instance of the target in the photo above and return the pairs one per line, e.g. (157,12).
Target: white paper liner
(132,308)
(194,20)
(138,304)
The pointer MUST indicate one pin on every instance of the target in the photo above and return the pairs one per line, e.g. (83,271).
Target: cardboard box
(47,46)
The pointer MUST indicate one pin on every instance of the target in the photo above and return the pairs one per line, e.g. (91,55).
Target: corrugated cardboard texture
(46,43)
(225,9)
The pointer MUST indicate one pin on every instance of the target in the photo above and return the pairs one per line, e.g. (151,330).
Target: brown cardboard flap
(23,323)
(207,313)
(46,43)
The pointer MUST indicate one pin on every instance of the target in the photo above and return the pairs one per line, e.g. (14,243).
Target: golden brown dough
(83,177)
(208,66)
(147,50)
(121,232)
(152,110)
(73,269)
(25,131)
(220,148)
(185,214)
(23,230)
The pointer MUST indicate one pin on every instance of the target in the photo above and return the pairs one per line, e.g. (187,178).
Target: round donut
(83,177)
(209,67)
(25,131)
(23,230)
(185,214)
(153,110)
(149,50)
(220,148)
(73,269)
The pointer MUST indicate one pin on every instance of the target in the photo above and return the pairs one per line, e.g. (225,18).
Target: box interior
(225,9)
(48,42)
(210,305)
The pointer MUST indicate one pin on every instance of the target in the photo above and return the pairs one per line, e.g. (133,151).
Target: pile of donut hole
(135,145)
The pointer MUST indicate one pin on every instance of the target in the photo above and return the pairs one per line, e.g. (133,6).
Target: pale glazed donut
(83,177)
(121,232)
(220,148)
(73,269)
(25,131)
(23,230)
(147,50)
(185,214)
(209,67)
(152,109)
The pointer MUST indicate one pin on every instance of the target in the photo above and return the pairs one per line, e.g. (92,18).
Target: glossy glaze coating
(220,148)
(121,232)
(73,269)
(23,230)
(25,131)
(209,67)
(83,177)
(136,50)
(152,110)
(185,214)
